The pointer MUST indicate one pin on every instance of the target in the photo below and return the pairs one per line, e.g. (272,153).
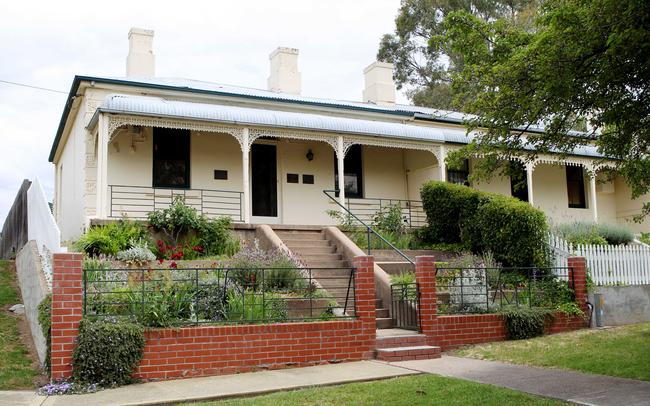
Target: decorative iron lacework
(255,133)
(392,143)
(115,122)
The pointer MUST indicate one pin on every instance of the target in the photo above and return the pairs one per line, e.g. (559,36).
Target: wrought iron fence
(173,297)
(482,290)
(366,208)
(137,201)
(405,300)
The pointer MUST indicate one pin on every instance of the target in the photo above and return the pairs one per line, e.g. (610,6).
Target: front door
(264,182)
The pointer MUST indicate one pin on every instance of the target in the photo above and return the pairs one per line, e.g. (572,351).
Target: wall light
(310,155)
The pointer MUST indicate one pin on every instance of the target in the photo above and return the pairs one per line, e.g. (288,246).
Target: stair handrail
(369,229)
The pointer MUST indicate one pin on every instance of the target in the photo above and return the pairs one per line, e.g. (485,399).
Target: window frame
(570,173)
(359,172)
(459,174)
(186,135)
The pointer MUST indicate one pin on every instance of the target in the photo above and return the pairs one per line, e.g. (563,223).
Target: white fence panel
(607,264)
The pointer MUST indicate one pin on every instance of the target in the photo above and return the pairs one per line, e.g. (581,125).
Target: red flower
(161,260)
(173,265)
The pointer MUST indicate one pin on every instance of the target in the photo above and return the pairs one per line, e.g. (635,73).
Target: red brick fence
(212,350)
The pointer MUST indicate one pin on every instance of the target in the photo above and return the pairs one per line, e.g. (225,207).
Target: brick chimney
(141,62)
(284,77)
(380,87)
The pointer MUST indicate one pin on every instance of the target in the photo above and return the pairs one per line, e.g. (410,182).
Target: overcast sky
(46,43)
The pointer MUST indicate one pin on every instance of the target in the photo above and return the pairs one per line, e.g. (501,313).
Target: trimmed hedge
(108,351)
(514,231)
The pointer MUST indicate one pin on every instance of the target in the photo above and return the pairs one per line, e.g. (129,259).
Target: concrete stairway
(403,345)
(327,265)
(382,315)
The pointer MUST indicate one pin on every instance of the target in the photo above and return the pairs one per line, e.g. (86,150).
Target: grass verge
(412,390)
(16,370)
(622,351)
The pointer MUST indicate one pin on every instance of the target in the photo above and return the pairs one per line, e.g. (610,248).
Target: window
(575,185)
(171,158)
(518,181)
(353,178)
(459,176)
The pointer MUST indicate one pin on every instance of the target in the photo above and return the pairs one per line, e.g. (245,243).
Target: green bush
(389,219)
(645,238)
(513,231)
(45,320)
(256,307)
(111,238)
(524,322)
(586,233)
(107,353)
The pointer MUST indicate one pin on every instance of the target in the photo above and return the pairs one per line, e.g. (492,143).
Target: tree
(585,61)
(424,67)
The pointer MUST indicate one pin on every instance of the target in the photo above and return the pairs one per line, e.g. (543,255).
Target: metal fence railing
(483,290)
(366,208)
(138,201)
(404,298)
(172,297)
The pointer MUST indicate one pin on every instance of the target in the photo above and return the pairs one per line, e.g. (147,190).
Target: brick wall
(67,297)
(214,350)
(453,331)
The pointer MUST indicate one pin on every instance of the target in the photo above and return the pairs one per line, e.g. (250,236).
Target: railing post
(67,303)
(578,279)
(425,276)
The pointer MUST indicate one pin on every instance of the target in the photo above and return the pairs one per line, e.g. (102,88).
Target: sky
(46,43)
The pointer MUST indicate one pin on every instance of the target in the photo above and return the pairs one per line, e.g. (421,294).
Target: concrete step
(328,264)
(384,322)
(381,313)
(298,244)
(309,257)
(407,353)
(407,340)
(315,250)
(301,236)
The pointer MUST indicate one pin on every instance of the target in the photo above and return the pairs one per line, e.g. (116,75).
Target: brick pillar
(578,279)
(67,297)
(364,285)
(425,276)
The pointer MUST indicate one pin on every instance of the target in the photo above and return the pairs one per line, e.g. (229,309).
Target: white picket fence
(607,264)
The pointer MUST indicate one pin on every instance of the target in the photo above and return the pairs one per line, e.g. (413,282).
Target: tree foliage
(584,62)
(424,67)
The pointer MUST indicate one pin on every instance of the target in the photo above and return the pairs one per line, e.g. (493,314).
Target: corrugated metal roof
(157,106)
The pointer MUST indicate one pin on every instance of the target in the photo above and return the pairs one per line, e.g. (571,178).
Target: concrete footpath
(574,387)
(216,387)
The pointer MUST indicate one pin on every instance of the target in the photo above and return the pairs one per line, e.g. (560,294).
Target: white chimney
(284,77)
(141,61)
(380,88)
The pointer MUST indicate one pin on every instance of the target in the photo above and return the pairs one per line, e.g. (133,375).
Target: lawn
(621,351)
(16,371)
(413,390)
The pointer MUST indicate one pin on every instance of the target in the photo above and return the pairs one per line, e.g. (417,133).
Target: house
(127,145)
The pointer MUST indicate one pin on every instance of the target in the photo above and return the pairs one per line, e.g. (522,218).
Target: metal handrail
(369,229)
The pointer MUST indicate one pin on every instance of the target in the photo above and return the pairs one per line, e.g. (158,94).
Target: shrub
(513,231)
(45,320)
(585,233)
(524,322)
(389,219)
(139,254)
(448,208)
(107,352)
(645,238)
(111,238)
(403,278)
(256,307)
(185,229)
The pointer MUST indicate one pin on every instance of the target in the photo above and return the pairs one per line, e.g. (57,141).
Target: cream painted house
(126,145)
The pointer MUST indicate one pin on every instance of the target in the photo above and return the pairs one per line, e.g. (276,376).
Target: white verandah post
(443,164)
(102,168)
(529,182)
(245,176)
(340,157)
(592,195)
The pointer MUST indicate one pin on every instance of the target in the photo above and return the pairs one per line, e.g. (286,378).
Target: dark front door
(264,180)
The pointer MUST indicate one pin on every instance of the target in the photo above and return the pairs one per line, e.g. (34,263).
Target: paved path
(573,387)
(217,386)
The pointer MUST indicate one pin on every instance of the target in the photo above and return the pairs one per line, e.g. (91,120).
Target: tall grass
(594,234)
